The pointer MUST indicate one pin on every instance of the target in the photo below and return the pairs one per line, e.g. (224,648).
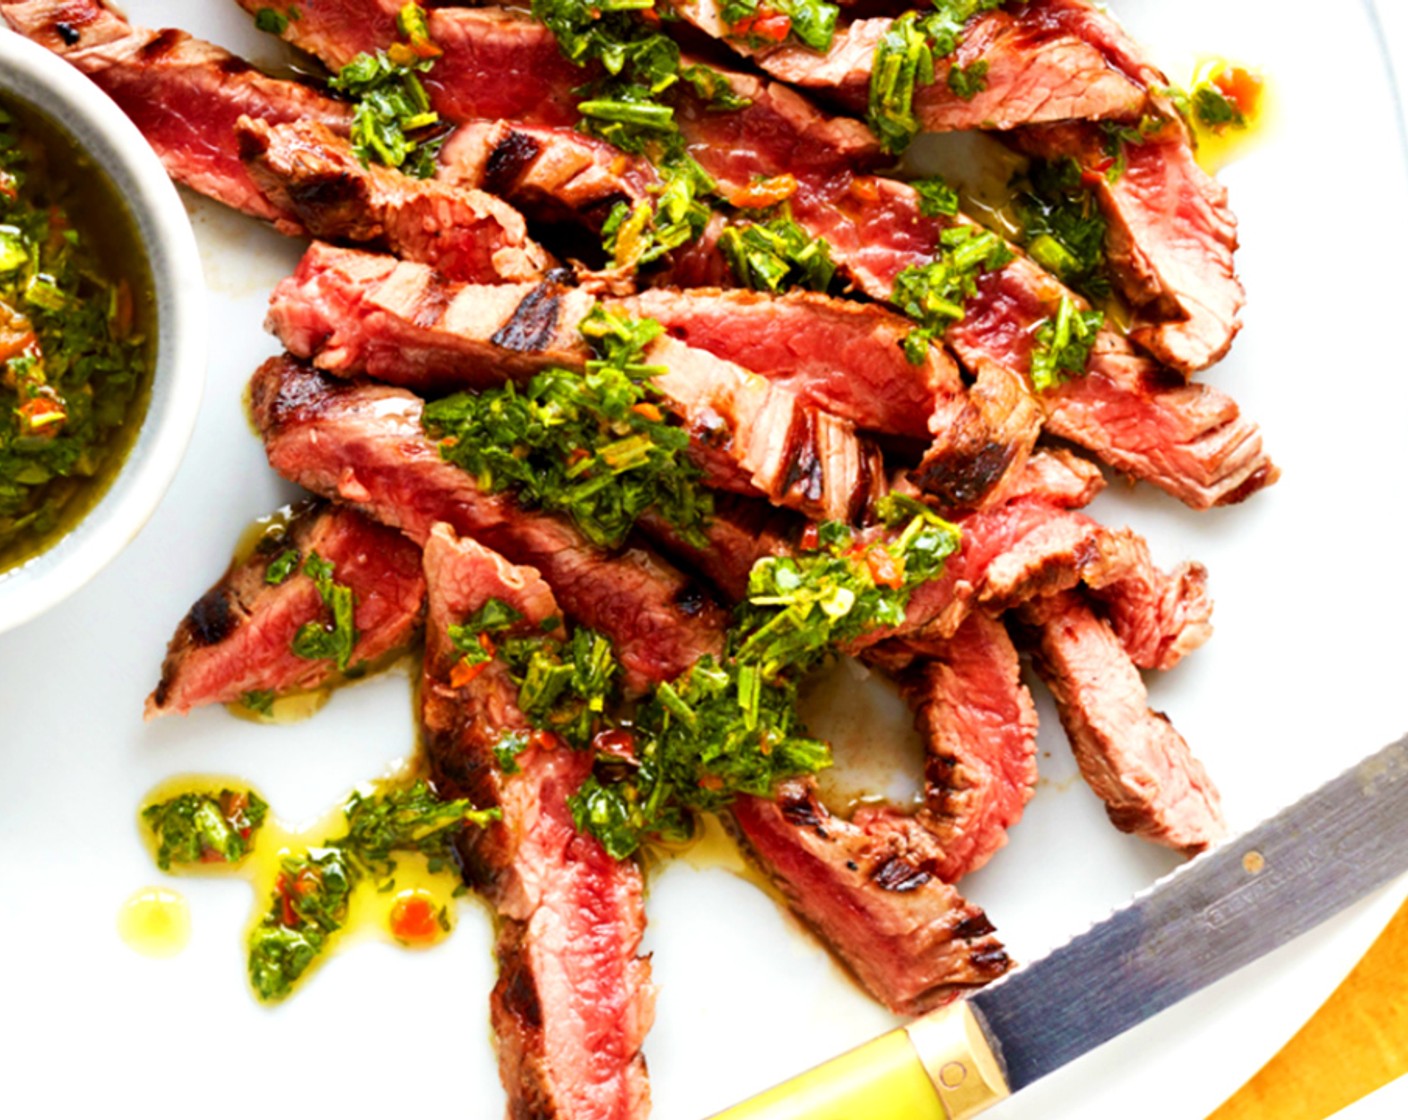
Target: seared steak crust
(574,999)
(363,443)
(307,171)
(871,888)
(238,637)
(1131,756)
(978,724)
(184,95)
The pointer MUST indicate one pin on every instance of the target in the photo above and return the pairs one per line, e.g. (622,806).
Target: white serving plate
(1304,676)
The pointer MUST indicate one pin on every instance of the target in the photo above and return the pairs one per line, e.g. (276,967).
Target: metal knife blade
(1225,909)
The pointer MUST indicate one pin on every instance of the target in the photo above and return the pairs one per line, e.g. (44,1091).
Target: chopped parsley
(205,828)
(905,58)
(282,566)
(274,21)
(1118,136)
(1214,110)
(936,197)
(595,446)
(314,887)
(777,254)
(637,235)
(393,122)
(1063,345)
(1063,228)
(334,637)
(933,294)
(260,701)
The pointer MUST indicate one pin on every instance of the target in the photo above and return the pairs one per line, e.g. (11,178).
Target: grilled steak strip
(574,999)
(306,170)
(551,174)
(238,637)
(363,443)
(184,95)
(358,313)
(1131,756)
(1039,68)
(978,724)
(870,888)
(1171,239)
(489,69)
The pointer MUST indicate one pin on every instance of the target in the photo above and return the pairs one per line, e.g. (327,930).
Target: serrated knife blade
(1210,917)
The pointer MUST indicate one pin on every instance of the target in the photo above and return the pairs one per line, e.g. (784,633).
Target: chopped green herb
(335,637)
(968,81)
(274,21)
(259,701)
(905,58)
(1118,136)
(283,566)
(507,748)
(393,122)
(777,255)
(1063,228)
(592,445)
(1063,345)
(205,828)
(933,294)
(563,687)
(637,235)
(1215,110)
(314,888)
(936,197)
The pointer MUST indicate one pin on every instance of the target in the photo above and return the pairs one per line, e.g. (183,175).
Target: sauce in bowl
(77,331)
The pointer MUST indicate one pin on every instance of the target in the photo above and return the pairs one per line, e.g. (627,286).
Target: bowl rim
(69,99)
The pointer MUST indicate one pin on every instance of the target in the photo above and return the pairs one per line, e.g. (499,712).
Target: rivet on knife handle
(940,1067)
(965,1070)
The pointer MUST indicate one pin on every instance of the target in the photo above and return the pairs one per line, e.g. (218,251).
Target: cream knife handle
(940,1067)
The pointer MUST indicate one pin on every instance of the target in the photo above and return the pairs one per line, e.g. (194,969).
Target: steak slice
(741,532)
(1038,70)
(574,998)
(870,887)
(495,65)
(363,443)
(551,174)
(184,95)
(978,724)
(306,170)
(1131,756)
(1171,238)
(364,313)
(238,637)
(355,313)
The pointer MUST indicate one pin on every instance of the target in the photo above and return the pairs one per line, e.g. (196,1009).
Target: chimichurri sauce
(76,319)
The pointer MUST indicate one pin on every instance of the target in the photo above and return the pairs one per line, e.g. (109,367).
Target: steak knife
(1210,917)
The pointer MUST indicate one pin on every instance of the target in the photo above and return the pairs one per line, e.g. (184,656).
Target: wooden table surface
(1356,1043)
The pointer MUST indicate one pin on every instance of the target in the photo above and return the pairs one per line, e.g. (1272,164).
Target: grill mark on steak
(238,637)
(508,160)
(68,34)
(363,443)
(534,322)
(897,874)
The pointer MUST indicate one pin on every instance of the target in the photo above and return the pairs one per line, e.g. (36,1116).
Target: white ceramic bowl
(45,82)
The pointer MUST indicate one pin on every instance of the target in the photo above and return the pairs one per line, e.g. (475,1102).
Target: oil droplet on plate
(156,922)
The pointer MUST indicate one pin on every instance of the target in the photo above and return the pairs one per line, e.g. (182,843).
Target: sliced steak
(1131,756)
(1171,239)
(364,313)
(363,443)
(306,170)
(356,313)
(574,998)
(1158,617)
(978,724)
(238,637)
(495,65)
(1037,70)
(184,95)
(741,532)
(871,889)
(551,174)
